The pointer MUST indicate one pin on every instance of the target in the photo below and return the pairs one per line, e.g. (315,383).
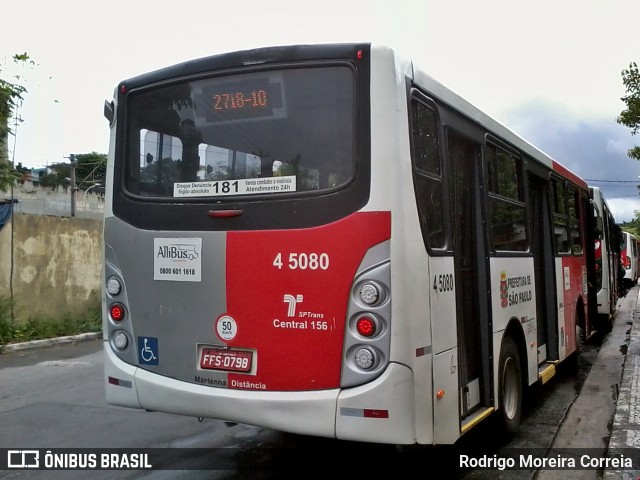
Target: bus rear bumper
(307,413)
(119,380)
(380,411)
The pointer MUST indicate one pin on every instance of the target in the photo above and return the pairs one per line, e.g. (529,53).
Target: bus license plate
(229,360)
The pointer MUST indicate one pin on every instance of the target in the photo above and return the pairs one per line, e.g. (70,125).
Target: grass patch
(32,329)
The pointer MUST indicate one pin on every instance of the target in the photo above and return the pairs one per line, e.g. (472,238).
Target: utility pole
(72,159)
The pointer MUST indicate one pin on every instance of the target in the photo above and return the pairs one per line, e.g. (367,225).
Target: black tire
(604,323)
(571,365)
(510,389)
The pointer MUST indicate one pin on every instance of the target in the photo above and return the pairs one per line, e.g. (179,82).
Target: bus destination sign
(242,100)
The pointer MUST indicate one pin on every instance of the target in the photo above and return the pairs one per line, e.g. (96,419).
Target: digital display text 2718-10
(233,100)
(242,99)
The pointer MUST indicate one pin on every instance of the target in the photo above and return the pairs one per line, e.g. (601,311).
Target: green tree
(23,173)
(91,168)
(49,180)
(630,117)
(10,97)
(62,175)
(8,175)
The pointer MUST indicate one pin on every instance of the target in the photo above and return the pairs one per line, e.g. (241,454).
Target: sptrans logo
(292,301)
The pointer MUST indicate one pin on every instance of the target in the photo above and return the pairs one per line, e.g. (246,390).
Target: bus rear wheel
(570,366)
(510,389)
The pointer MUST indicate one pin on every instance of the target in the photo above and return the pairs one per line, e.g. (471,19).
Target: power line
(612,181)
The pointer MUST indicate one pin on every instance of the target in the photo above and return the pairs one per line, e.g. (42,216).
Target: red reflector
(225,213)
(123,88)
(120,383)
(371,413)
(117,312)
(366,326)
(359,55)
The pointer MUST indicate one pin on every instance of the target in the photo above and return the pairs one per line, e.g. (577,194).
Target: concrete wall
(45,201)
(56,267)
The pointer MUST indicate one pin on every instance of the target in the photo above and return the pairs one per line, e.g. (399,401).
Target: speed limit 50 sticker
(226,327)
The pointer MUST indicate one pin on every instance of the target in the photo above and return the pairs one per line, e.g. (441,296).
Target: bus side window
(160,161)
(560,230)
(428,174)
(573,213)
(506,201)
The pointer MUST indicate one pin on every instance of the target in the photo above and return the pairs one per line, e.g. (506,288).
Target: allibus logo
(178,251)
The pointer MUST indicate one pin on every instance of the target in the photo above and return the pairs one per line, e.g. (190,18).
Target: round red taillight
(117,312)
(366,326)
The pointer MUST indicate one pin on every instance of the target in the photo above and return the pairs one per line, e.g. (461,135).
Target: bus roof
(444,94)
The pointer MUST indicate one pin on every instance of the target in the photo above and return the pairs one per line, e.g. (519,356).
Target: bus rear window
(261,133)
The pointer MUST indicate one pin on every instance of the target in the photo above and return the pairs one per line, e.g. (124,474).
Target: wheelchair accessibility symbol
(148,350)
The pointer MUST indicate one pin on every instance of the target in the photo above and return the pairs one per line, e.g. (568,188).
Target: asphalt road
(54,398)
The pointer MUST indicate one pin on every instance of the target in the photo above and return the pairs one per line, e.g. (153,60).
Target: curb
(625,428)
(18,347)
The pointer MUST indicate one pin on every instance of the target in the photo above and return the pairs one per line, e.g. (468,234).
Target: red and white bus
(629,257)
(322,239)
(607,240)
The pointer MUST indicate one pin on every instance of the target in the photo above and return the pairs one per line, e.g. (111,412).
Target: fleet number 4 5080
(302,261)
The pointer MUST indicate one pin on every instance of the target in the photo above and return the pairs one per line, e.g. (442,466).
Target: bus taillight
(117,312)
(366,358)
(367,326)
(370,293)
(113,286)
(366,350)
(120,340)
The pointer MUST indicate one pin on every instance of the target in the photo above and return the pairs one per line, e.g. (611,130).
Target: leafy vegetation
(91,169)
(11,95)
(8,175)
(633,227)
(36,329)
(630,117)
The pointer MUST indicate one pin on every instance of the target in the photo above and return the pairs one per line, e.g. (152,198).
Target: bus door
(542,250)
(471,274)
(635,260)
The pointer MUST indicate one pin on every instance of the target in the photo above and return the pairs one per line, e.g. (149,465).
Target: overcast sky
(548,69)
